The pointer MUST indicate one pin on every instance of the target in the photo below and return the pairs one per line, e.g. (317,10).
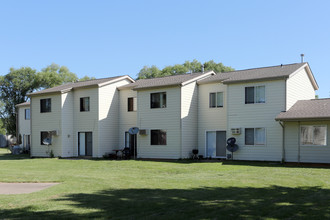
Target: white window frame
(216,99)
(255,94)
(254,136)
(314,145)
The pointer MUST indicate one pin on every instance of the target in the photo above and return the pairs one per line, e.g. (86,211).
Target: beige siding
(162,118)
(109,117)
(48,121)
(67,132)
(126,119)
(210,119)
(241,115)
(85,121)
(299,87)
(23,124)
(189,117)
(308,154)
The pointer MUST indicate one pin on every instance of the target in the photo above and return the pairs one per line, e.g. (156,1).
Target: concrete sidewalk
(23,188)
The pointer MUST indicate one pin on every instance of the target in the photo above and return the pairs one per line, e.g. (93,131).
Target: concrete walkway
(22,188)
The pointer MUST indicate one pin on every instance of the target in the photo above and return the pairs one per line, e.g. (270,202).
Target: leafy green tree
(13,90)
(54,75)
(149,72)
(85,78)
(188,67)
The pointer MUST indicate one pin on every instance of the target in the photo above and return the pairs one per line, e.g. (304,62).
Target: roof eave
(304,119)
(207,74)
(156,87)
(116,80)
(255,80)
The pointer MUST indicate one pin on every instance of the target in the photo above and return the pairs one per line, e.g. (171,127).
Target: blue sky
(109,38)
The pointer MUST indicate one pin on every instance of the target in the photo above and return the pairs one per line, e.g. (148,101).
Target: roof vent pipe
(302,57)
(202,68)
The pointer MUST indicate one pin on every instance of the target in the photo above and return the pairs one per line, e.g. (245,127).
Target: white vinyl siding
(160,118)
(241,115)
(298,87)
(50,121)
(126,119)
(189,117)
(210,119)
(23,124)
(108,108)
(295,152)
(66,130)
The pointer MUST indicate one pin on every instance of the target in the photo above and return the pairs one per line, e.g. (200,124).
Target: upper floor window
(216,100)
(255,136)
(131,104)
(255,94)
(27,114)
(313,135)
(158,137)
(158,100)
(45,105)
(84,104)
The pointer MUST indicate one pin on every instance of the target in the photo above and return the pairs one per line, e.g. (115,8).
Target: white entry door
(82,143)
(216,144)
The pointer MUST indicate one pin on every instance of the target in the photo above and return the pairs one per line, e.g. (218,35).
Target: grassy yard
(106,189)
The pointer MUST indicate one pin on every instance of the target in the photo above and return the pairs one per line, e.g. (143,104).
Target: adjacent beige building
(177,114)
(23,125)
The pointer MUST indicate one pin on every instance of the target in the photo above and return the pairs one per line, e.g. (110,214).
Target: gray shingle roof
(307,110)
(256,74)
(73,85)
(23,104)
(175,80)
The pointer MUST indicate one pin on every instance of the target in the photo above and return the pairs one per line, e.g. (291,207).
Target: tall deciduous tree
(188,67)
(13,90)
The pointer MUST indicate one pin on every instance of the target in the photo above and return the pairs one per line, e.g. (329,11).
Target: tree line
(15,85)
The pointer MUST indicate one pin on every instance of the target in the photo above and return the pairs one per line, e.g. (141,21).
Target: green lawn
(107,189)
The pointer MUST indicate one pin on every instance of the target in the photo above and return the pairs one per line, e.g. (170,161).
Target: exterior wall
(66,131)
(161,118)
(48,121)
(210,119)
(308,154)
(241,115)
(126,119)
(299,87)
(23,124)
(189,117)
(109,118)
(85,121)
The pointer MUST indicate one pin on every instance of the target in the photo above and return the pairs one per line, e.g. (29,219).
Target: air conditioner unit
(143,132)
(236,131)
(55,132)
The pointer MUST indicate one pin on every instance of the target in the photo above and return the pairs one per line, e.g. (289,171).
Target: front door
(216,144)
(130,142)
(85,144)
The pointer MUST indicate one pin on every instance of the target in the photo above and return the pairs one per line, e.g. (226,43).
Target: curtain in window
(260,94)
(260,136)
(320,135)
(306,135)
(219,99)
(212,100)
(249,136)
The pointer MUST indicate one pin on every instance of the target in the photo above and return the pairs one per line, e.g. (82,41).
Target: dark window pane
(43,136)
(130,104)
(212,100)
(249,136)
(158,137)
(249,95)
(155,100)
(84,104)
(164,100)
(45,105)
(27,114)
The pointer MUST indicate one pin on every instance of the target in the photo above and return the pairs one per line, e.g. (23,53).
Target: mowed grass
(104,189)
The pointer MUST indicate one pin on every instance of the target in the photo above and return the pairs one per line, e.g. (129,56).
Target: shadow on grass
(201,203)
(275,164)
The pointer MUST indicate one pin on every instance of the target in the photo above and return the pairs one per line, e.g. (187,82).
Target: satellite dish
(133,130)
(231,141)
(47,141)
(232,148)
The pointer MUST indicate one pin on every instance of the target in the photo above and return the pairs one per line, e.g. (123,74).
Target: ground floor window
(313,135)
(255,136)
(45,138)
(158,137)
